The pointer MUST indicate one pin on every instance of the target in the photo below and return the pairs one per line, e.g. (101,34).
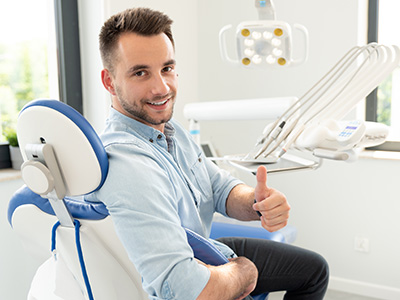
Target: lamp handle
(222,46)
(304,30)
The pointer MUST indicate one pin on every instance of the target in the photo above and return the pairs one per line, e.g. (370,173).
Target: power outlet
(361,244)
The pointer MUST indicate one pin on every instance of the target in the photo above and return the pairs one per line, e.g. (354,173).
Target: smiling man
(144,83)
(159,182)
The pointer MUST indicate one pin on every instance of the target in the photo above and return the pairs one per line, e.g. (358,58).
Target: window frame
(69,57)
(372,99)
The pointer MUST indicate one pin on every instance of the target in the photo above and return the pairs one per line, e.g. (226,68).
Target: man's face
(144,83)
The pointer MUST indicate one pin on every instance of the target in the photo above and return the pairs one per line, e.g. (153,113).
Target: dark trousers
(303,274)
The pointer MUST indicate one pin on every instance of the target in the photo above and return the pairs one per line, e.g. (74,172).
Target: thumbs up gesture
(271,203)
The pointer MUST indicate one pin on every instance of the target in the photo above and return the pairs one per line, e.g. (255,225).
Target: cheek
(174,83)
(133,91)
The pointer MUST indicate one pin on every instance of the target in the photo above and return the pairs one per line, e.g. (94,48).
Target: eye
(167,69)
(139,74)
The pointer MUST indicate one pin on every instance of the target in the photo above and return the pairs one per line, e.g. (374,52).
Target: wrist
(248,276)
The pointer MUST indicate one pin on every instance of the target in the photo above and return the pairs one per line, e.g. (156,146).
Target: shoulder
(119,132)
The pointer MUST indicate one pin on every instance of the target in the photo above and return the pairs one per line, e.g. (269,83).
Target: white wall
(96,99)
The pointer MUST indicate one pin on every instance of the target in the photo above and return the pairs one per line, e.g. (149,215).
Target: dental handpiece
(272,136)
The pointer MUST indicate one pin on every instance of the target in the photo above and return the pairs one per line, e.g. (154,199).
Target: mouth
(159,103)
(159,106)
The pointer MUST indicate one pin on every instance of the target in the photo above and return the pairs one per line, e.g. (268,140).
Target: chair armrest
(220,229)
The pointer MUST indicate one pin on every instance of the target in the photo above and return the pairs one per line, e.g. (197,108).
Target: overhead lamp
(266,42)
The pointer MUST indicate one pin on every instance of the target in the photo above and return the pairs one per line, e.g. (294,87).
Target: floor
(330,295)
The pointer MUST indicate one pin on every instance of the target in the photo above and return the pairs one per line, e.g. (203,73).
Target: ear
(107,80)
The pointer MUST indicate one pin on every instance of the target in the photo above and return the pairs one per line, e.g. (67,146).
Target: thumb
(261,191)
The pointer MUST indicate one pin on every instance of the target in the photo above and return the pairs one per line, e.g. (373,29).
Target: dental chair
(76,241)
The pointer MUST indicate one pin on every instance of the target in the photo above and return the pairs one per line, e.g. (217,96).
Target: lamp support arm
(266,10)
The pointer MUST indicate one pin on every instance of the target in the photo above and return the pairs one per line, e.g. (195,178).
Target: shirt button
(159,136)
(151,140)
(199,159)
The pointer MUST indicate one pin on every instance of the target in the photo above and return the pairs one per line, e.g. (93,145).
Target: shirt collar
(147,132)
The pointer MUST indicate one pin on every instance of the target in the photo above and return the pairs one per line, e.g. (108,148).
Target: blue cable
(53,236)
(80,254)
(81,261)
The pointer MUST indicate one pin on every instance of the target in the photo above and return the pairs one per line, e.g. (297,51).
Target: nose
(160,85)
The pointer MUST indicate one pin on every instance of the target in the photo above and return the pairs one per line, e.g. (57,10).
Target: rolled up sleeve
(222,184)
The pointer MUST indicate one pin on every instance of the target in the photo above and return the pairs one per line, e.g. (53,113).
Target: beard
(136,109)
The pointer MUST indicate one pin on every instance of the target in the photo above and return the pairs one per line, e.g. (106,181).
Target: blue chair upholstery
(220,229)
(78,208)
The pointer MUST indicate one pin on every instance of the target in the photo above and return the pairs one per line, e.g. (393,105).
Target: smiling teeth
(160,103)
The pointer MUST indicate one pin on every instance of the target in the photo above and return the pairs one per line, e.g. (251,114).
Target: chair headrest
(79,151)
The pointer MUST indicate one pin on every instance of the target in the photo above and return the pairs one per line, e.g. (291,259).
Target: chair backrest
(83,165)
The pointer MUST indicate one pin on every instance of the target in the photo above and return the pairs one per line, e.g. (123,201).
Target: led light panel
(264,43)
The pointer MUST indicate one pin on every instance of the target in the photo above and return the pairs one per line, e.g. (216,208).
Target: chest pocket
(202,179)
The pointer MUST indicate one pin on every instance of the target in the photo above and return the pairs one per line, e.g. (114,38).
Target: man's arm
(234,280)
(271,203)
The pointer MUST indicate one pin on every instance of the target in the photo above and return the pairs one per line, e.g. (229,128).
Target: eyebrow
(170,62)
(136,68)
(141,67)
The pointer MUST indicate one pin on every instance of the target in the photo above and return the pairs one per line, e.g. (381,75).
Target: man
(159,182)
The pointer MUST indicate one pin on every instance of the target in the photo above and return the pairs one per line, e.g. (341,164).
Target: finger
(261,175)
(272,227)
(275,199)
(261,190)
(273,219)
(275,216)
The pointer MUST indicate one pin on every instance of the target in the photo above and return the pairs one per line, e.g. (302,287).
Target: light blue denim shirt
(157,184)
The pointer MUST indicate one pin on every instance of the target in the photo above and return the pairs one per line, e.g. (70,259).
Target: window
(39,56)
(28,61)
(383,104)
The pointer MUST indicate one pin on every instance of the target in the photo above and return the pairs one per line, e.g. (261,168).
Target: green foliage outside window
(11,136)
(385,101)
(23,77)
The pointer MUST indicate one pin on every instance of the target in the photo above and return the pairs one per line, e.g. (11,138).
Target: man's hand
(233,280)
(271,203)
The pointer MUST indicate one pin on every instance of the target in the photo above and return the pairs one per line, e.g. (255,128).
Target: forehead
(148,50)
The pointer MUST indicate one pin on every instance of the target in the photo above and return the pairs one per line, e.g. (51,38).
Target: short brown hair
(142,21)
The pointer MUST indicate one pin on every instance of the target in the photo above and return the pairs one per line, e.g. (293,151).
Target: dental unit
(312,123)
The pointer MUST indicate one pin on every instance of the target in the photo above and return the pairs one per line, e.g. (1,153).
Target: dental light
(311,123)
(264,43)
